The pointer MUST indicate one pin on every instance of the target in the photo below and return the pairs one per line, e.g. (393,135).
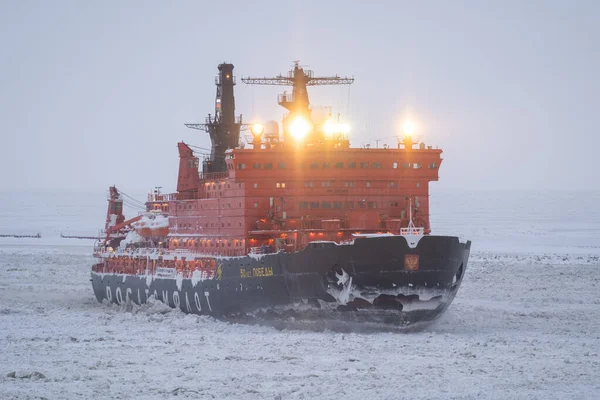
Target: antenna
(299,79)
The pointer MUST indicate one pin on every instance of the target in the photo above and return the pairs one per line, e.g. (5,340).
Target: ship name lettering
(197,301)
(206,294)
(187,303)
(262,271)
(176,300)
(244,273)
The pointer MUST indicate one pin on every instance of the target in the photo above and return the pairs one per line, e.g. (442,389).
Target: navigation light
(257,129)
(408,128)
(300,127)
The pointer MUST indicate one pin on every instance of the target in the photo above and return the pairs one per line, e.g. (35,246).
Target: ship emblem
(411,262)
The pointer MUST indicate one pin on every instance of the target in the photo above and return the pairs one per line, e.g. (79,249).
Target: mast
(223,128)
(297,103)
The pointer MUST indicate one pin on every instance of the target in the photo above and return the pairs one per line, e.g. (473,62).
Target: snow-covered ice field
(525,323)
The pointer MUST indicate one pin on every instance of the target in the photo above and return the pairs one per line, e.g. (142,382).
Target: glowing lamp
(300,127)
(257,129)
(408,128)
(329,128)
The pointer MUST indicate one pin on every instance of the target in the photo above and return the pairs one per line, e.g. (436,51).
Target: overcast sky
(96,93)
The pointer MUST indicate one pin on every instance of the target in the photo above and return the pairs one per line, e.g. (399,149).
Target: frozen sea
(524,325)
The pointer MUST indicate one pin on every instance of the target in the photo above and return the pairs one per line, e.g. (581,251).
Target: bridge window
(394,184)
(395,165)
(314,165)
(339,165)
(281,165)
(326,165)
(376,165)
(314,204)
(351,165)
(303,204)
(371,204)
(349,204)
(433,165)
(337,204)
(301,165)
(256,204)
(256,165)
(405,165)
(280,185)
(418,185)
(255,185)
(364,165)
(393,204)
(368,184)
(242,166)
(326,183)
(349,184)
(268,165)
(417,165)
(326,204)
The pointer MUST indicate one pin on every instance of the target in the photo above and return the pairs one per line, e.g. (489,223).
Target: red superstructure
(282,191)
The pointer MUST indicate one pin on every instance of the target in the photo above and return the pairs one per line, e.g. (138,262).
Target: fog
(97,93)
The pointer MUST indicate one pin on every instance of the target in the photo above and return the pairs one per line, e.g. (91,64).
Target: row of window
(185,226)
(210,243)
(215,186)
(211,206)
(339,204)
(326,184)
(347,204)
(327,164)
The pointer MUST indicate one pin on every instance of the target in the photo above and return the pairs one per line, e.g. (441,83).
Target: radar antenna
(299,79)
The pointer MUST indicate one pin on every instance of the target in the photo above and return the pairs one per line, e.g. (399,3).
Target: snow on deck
(152,221)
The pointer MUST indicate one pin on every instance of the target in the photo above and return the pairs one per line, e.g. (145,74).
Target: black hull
(372,280)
